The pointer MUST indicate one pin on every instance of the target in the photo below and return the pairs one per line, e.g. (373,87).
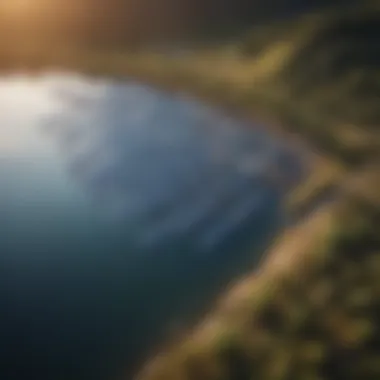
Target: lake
(124,210)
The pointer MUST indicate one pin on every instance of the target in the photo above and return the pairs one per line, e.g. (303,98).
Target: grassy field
(312,311)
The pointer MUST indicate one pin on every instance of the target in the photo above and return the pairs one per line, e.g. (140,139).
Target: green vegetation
(312,310)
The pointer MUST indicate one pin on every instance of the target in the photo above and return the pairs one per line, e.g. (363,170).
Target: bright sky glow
(17,6)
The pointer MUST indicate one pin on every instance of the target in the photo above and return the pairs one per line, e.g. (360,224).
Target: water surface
(122,211)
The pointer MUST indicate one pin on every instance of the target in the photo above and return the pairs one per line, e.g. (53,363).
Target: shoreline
(221,101)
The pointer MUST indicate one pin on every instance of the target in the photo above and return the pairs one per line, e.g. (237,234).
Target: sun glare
(14,7)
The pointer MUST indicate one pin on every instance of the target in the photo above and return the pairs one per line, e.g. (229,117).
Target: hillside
(312,309)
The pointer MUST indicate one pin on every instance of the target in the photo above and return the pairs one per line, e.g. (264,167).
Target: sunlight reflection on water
(134,150)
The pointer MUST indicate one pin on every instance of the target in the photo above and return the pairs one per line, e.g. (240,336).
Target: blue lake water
(123,211)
